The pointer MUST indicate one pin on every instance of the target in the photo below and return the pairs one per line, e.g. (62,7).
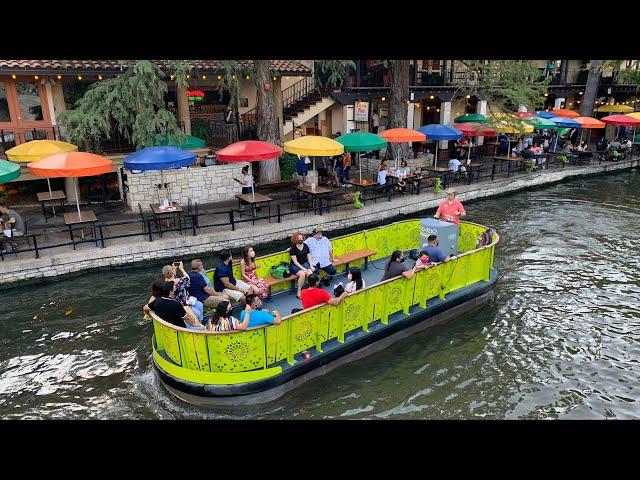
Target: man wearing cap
(450,209)
(321,253)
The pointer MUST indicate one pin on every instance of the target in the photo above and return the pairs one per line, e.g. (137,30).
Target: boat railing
(259,353)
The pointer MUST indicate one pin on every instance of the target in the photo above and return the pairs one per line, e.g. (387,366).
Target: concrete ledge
(66,263)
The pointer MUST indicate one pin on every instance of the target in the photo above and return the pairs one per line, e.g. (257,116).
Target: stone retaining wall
(185,246)
(201,185)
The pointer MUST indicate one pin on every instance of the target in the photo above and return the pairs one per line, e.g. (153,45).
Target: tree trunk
(564,71)
(398,105)
(266,118)
(591,90)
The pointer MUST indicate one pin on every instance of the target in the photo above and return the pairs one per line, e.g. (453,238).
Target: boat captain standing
(450,209)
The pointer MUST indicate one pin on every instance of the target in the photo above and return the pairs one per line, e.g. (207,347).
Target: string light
(274,79)
(219,77)
(79,77)
(417,105)
(431,97)
(59,77)
(171,77)
(13,76)
(188,76)
(233,77)
(581,93)
(204,77)
(437,110)
(383,99)
(468,96)
(247,77)
(36,77)
(100,77)
(546,94)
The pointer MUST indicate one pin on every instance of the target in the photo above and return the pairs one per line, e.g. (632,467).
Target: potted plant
(437,185)
(530,166)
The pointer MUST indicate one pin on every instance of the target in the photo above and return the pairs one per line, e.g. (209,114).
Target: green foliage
(356,200)
(437,186)
(334,69)
(200,129)
(288,165)
(505,83)
(530,166)
(132,102)
(564,159)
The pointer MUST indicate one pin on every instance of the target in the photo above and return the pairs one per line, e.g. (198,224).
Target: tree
(591,90)
(333,70)
(132,102)
(266,119)
(398,103)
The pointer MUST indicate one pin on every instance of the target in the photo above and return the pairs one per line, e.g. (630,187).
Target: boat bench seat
(271,281)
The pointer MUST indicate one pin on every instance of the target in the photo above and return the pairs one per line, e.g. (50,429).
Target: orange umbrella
(563,112)
(402,135)
(589,122)
(71,164)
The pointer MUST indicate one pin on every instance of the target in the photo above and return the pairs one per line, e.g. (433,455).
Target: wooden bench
(271,281)
(278,184)
(346,258)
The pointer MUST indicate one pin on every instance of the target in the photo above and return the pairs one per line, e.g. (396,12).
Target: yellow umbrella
(615,108)
(507,123)
(38,149)
(635,115)
(314,146)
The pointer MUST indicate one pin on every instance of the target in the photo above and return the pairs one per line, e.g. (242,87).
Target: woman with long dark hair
(355,280)
(248,270)
(223,321)
(396,267)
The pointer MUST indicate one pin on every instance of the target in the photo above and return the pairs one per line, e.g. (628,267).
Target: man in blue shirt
(225,282)
(435,254)
(200,289)
(259,318)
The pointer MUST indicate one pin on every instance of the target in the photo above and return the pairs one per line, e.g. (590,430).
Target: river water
(560,340)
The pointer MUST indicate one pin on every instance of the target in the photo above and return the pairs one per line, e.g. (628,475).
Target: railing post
(320,206)
(278,210)
(149,230)
(231,221)
(194,223)
(101,236)
(493,171)
(35,246)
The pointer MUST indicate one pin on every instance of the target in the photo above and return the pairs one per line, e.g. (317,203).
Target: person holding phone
(182,288)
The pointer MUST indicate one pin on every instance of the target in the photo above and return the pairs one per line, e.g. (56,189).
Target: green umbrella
(361,142)
(472,117)
(190,142)
(8,171)
(541,123)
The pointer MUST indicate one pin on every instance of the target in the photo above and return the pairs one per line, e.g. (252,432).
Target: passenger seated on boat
(321,254)
(201,288)
(225,282)
(223,321)
(248,270)
(423,259)
(356,282)
(182,288)
(156,292)
(434,252)
(172,311)
(259,317)
(300,264)
(396,267)
(314,295)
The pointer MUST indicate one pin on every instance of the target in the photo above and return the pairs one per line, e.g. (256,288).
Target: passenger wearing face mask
(300,260)
(423,259)
(259,318)
(356,282)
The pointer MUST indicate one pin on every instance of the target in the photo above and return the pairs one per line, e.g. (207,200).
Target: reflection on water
(560,340)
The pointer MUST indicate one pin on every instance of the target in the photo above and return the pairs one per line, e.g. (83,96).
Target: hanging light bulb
(431,97)
(13,76)
(274,79)
(35,77)
(383,99)
(100,77)
(247,77)
(79,77)
(219,77)
(204,77)
(188,76)
(59,77)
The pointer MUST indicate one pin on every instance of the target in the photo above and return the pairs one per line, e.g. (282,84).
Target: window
(4,104)
(29,101)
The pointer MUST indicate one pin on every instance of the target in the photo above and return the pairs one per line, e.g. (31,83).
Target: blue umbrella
(159,158)
(565,123)
(543,114)
(436,131)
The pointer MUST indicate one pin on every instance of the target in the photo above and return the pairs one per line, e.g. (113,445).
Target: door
(24,110)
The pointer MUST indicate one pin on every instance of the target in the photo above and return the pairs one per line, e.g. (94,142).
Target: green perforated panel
(237,352)
(395,295)
(353,311)
(167,340)
(304,330)
(433,281)
(194,351)
(276,338)
(468,238)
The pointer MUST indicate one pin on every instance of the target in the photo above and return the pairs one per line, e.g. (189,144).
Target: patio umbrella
(473,129)
(541,123)
(635,115)
(525,115)
(361,142)
(563,112)
(37,150)
(190,142)
(437,131)
(402,135)
(505,123)
(543,114)
(471,117)
(565,123)
(614,109)
(314,146)
(588,122)
(249,151)
(159,158)
(8,171)
(620,120)
(71,164)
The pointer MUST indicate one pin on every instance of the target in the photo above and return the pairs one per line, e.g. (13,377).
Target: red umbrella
(624,120)
(522,115)
(249,151)
(563,112)
(472,129)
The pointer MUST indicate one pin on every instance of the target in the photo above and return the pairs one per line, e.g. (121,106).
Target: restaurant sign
(361,112)
(195,95)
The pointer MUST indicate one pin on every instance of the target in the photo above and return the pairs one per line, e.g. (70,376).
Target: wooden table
(87,216)
(346,258)
(315,193)
(175,208)
(254,200)
(440,172)
(54,196)
(404,178)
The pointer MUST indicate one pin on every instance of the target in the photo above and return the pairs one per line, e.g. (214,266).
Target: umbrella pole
(251,175)
(435,161)
(75,189)
(359,165)
(51,195)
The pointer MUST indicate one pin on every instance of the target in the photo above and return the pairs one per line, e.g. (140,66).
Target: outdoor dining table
(315,193)
(404,178)
(473,171)
(72,219)
(254,200)
(158,212)
(54,196)
(362,185)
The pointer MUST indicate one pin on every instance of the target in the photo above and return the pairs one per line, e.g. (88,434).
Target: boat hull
(456,304)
